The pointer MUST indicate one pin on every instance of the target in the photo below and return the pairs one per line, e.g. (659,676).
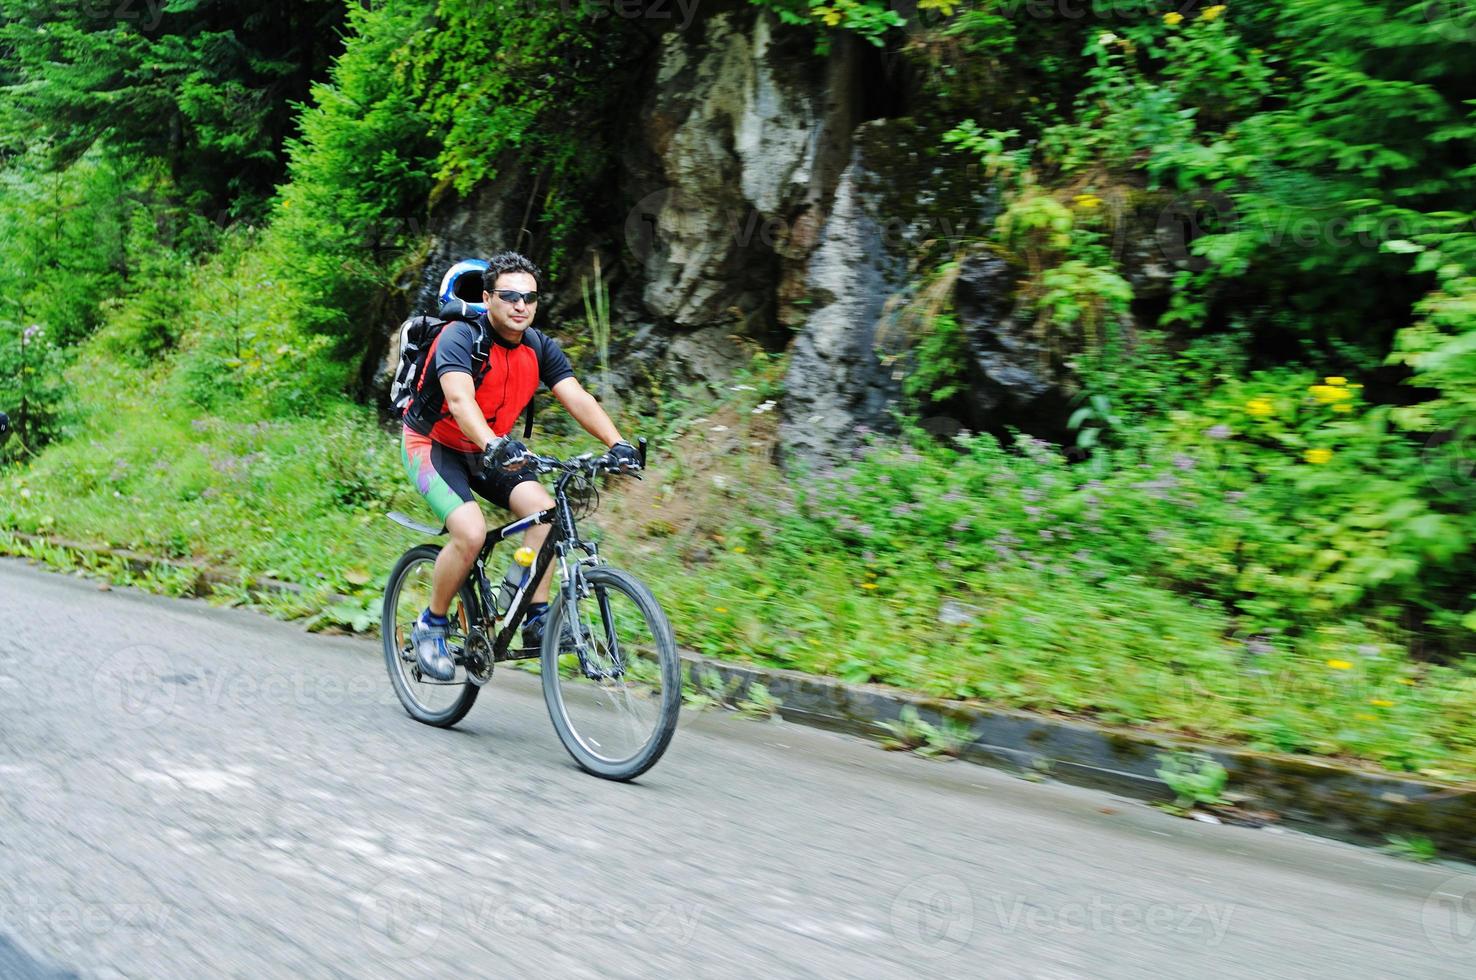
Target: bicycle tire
(394,634)
(582,746)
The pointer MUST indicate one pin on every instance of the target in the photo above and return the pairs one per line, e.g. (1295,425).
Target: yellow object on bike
(524,556)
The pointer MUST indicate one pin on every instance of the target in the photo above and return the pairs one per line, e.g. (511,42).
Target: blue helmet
(463,282)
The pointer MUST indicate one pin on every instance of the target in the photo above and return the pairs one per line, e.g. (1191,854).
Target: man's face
(515,317)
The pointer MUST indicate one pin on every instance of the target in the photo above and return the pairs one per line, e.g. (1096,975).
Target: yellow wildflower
(1336,382)
(1342,407)
(1172,18)
(1213,13)
(1365,716)
(1406,680)
(1380,703)
(721,609)
(868,585)
(1259,407)
(741,550)
(1318,456)
(1340,665)
(1087,201)
(1328,394)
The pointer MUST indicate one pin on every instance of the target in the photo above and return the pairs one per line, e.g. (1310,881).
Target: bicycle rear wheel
(439,703)
(611,676)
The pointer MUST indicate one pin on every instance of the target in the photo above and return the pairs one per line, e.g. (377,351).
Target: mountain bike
(610,673)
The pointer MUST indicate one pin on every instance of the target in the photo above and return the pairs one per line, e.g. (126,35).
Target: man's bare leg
(468,530)
(529,498)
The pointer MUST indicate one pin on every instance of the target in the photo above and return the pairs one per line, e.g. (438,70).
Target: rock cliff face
(768,207)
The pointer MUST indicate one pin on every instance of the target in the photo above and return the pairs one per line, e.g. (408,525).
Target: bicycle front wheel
(611,676)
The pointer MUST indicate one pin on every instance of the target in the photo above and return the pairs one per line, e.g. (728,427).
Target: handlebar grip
(641,448)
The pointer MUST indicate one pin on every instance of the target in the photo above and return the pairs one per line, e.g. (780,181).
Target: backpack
(417,334)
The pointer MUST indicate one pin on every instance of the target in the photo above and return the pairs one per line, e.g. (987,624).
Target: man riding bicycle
(479,376)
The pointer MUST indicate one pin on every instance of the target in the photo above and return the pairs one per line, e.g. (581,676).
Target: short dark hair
(509,262)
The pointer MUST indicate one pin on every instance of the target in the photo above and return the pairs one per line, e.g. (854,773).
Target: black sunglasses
(511,296)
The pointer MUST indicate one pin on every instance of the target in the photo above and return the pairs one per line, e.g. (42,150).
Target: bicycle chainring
(478,661)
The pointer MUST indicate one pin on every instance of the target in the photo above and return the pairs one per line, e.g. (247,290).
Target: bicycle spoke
(429,700)
(619,700)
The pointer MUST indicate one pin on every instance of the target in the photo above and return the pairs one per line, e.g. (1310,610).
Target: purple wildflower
(1220,431)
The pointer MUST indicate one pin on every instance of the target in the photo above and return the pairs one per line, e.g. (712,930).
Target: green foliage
(939,373)
(361,171)
(1411,847)
(203,85)
(33,390)
(510,94)
(597,320)
(759,704)
(869,19)
(1070,285)
(1194,778)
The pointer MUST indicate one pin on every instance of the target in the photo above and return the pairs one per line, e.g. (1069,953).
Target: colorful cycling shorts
(446,477)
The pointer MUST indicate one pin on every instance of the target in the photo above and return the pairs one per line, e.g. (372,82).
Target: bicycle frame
(562,539)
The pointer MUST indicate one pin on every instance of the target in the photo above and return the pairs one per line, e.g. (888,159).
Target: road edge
(1314,795)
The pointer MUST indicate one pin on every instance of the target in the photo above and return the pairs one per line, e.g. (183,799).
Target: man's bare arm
(461,401)
(586,411)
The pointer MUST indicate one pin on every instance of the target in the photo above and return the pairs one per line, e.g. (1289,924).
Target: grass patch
(835,576)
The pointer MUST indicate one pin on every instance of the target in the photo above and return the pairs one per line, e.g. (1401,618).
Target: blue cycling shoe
(533,634)
(429,641)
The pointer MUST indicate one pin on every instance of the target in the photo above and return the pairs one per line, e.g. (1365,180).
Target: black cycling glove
(622,457)
(503,455)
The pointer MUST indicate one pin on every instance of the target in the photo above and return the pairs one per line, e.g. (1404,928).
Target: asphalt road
(193,792)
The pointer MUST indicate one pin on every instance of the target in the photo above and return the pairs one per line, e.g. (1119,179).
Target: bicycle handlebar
(586,462)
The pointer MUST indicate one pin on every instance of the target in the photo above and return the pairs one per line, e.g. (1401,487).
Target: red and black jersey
(505,376)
